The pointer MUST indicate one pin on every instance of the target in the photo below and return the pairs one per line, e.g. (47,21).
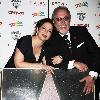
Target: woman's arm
(19,61)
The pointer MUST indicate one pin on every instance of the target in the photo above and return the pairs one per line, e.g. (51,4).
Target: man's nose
(63,21)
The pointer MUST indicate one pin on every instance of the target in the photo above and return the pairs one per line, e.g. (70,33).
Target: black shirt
(25,46)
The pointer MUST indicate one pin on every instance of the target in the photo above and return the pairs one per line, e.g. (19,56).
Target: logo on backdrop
(15,13)
(99,36)
(40,13)
(16,35)
(97,14)
(38,3)
(0,2)
(81,16)
(16,3)
(85,4)
(17,23)
(98,3)
(98,26)
(59,3)
(86,25)
(35,22)
(0,23)
(0,34)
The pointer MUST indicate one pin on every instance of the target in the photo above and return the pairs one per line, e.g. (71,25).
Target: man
(75,46)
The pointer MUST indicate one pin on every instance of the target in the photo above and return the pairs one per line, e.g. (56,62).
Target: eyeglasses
(60,19)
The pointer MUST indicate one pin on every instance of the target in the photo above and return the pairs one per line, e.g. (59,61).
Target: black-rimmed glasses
(60,19)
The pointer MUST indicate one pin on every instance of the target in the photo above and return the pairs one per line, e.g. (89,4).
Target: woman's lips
(44,35)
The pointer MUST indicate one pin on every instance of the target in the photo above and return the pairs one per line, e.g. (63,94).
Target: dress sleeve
(23,43)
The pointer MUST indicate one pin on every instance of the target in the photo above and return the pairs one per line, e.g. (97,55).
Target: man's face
(62,21)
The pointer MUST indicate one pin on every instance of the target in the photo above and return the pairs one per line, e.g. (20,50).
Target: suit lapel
(76,38)
(73,37)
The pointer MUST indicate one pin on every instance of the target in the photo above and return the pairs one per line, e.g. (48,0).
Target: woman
(30,51)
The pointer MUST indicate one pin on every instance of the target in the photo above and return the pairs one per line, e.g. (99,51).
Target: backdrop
(18,18)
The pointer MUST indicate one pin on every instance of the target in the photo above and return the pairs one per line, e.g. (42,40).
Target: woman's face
(44,32)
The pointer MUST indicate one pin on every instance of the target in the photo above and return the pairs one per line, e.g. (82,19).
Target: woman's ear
(53,21)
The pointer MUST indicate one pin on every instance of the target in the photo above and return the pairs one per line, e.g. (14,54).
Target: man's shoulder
(78,30)
(78,27)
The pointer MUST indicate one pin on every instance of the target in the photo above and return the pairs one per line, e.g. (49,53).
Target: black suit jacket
(83,48)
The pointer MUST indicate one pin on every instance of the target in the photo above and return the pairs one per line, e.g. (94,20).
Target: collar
(65,34)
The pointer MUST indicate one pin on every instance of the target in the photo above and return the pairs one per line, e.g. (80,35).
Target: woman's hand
(81,66)
(48,69)
(57,60)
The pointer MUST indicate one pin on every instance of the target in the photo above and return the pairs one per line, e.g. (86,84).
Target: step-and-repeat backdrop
(18,18)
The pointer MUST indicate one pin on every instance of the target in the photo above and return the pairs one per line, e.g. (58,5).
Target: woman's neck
(36,42)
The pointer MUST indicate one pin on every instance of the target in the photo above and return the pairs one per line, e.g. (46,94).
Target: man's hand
(81,66)
(89,84)
(57,60)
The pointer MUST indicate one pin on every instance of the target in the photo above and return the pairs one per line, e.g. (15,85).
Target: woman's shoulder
(24,40)
(26,37)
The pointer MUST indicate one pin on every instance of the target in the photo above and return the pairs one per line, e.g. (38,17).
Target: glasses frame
(59,19)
